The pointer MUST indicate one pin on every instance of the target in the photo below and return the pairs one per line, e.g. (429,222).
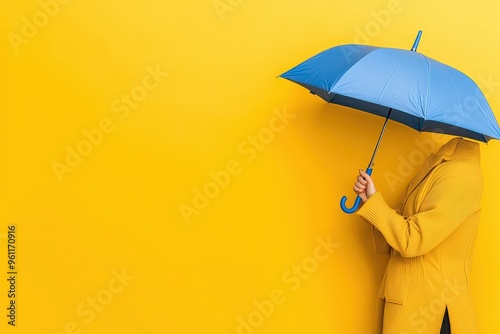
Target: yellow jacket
(430,236)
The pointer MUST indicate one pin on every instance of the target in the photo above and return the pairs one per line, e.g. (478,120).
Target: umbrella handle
(358,199)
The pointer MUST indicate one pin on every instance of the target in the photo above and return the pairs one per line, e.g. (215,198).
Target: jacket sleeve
(454,195)
(380,244)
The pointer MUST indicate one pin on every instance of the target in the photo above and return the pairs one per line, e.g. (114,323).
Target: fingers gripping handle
(357,202)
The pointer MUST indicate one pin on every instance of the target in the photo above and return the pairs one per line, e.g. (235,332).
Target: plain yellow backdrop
(163,180)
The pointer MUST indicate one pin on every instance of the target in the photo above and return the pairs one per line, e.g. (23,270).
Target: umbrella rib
(327,65)
(458,95)
(389,80)
(429,82)
(318,72)
(330,101)
(339,76)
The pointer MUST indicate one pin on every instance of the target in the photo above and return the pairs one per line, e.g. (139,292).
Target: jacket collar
(458,148)
(455,149)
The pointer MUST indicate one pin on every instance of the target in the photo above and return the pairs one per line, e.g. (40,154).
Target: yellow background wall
(117,115)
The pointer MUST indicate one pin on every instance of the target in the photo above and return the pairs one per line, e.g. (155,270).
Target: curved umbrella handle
(358,199)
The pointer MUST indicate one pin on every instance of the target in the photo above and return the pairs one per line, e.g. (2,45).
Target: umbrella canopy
(401,85)
(423,93)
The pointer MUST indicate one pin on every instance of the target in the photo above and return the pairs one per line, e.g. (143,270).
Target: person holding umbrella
(430,236)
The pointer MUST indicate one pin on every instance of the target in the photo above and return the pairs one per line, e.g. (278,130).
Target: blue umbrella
(401,85)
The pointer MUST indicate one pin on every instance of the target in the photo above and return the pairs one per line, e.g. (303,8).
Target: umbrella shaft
(370,165)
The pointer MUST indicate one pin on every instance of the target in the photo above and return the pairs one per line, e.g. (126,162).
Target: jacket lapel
(443,154)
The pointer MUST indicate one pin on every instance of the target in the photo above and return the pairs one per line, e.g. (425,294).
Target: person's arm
(365,188)
(453,197)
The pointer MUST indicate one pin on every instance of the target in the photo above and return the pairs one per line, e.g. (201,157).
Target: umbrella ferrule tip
(417,41)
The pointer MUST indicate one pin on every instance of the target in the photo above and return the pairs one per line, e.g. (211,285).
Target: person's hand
(364,186)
